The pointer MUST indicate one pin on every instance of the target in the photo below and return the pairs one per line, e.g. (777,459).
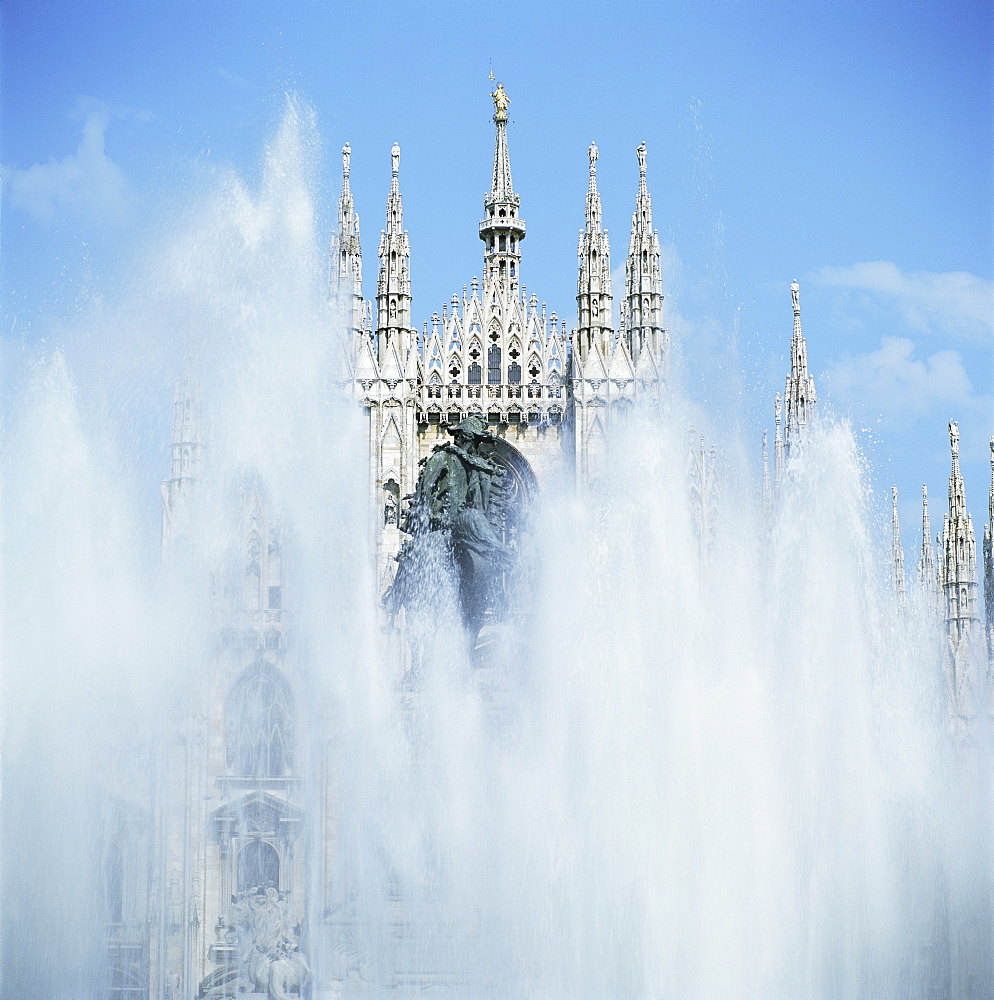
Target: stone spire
(897,553)
(642,308)
(958,578)
(346,254)
(393,289)
(593,291)
(186,453)
(799,392)
(501,229)
(989,564)
(927,577)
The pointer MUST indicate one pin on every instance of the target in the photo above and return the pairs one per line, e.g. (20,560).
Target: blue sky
(847,145)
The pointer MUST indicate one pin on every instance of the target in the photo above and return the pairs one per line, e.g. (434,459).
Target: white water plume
(706,768)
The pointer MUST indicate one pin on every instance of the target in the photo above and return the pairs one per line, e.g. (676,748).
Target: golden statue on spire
(501,103)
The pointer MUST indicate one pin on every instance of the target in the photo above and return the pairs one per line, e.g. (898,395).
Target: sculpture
(460,500)
(269,956)
(501,103)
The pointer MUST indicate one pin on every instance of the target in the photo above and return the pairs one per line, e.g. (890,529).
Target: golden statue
(501,103)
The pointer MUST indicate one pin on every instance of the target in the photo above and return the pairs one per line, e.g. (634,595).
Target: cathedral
(208,896)
(550,393)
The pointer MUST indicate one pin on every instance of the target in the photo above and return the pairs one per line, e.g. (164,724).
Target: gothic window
(260,724)
(493,365)
(514,373)
(475,374)
(258,865)
(512,270)
(275,570)
(454,370)
(502,243)
(253,572)
(595,307)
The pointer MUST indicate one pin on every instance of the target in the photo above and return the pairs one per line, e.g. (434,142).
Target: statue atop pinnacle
(501,103)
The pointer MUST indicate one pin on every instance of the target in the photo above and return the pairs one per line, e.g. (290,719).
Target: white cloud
(891,381)
(86,184)
(953,303)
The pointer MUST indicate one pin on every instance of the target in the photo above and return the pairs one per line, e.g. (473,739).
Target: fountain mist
(713,762)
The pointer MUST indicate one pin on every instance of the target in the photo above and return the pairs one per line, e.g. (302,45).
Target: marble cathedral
(494,352)
(231,866)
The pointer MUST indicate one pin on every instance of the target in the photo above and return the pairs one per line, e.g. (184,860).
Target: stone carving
(269,960)
(461,500)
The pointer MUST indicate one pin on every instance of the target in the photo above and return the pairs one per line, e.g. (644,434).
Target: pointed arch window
(493,365)
(260,724)
(514,373)
(475,373)
(253,571)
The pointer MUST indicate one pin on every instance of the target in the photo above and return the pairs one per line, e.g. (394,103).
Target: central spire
(501,230)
